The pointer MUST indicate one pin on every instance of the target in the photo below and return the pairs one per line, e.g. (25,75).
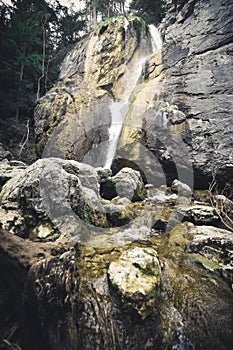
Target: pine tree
(97,10)
(32,35)
(150,10)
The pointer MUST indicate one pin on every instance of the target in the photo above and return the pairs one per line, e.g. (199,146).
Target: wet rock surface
(136,276)
(72,120)
(184,110)
(162,289)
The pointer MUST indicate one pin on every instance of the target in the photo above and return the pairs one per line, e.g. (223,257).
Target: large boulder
(213,242)
(210,247)
(199,214)
(51,198)
(127,183)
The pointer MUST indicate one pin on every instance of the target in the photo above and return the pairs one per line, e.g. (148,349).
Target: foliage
(34,37)
(102,10)
(150,10)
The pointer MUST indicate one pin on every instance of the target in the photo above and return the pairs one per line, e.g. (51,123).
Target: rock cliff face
(197,59)
(73,118)
(180,117)
(184,109)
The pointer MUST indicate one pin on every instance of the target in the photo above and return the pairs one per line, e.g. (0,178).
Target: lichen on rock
(136,277)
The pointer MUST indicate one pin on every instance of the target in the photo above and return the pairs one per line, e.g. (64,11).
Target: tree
(21,53)
(150,10)
(34,38)
(32,33)
(102,9)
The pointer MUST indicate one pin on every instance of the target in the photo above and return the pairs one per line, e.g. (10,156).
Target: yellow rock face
(74,116)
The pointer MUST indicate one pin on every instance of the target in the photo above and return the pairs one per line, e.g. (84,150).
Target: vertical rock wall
(184,109)
(73,118)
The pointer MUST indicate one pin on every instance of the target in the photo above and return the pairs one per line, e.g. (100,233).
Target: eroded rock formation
(184,109)
(180,116)
(73,118)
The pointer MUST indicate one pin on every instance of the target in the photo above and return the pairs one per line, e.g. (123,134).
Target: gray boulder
(50,198)
(181,188)
(9,169)
(199,214)
(128,183)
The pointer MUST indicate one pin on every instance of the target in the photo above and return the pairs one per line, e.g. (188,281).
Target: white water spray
(156,40)
(119,109)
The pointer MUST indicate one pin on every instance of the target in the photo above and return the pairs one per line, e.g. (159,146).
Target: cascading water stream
(119,109)
(156,40)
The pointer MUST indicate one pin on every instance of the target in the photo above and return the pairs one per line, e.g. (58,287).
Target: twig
(11,346)
(219,207)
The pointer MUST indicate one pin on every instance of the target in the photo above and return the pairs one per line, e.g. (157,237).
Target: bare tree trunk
(94,14)
(20,82)
(224,213)
(43,63)
(24,139)
(46,74)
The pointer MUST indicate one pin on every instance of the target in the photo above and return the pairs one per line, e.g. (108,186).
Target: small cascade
(182,342)
(119,109)
(118,112)
(156,40)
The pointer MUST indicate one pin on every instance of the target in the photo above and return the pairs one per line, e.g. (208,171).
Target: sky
(78,4)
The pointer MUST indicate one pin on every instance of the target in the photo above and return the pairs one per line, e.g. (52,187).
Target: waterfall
(119,109)
(118,113)
(156,40)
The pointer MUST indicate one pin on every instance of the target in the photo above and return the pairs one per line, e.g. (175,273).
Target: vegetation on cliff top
(34,38)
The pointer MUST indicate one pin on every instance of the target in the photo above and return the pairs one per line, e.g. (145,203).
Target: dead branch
(223,206)
(23,143)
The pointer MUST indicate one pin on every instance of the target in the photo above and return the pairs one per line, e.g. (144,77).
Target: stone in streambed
(199,214)
(181,188)
(127,183)
(136,276)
